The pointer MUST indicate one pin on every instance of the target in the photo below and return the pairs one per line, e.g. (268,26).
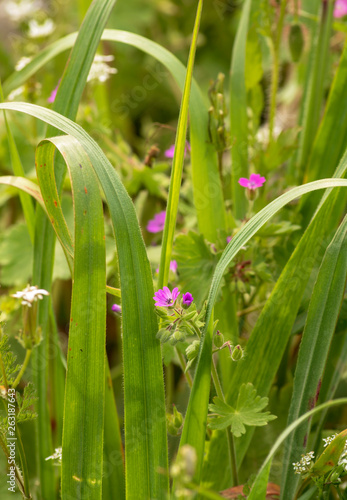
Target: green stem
(183,366)
(17,472)
(3,372)
(231,444)
(169,384)
(275,46)
(22,370)
(24,466)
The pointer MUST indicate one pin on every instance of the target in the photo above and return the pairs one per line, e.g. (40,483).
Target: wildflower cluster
(305,463)
(330,466)
(179,318)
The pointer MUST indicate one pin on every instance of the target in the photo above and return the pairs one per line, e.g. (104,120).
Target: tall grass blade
(177,164)
(238,114)
(85,382)
(322,316)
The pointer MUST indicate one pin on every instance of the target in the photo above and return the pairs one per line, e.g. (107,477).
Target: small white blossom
(304,464)
(30,294)
(23,61)
(329,440)
(100,70)
(19,11)
(56,455)
(343,458)
(43,30)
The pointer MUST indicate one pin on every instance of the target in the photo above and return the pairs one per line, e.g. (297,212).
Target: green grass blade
(177,164)
(322,316)
(146,452)
(331,138)
(238,115)
(208,196)
(195,421)
(264,469)
(315,90)
(24,185)
(18,170)
(66,102)
(85,380)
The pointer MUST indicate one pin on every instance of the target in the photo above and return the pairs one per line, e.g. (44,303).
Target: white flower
(100,70)
(23,61)
(30,294)
(18,11)
(37,30)
(304,464)
(56,455)
(329,439)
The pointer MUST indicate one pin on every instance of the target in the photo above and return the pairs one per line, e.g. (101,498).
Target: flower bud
(187,300)
(237,353)
(296,42)
(174,422)
(178,336)
(193,350)
(218,339)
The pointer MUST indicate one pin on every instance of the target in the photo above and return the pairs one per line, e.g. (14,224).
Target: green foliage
(248,411)
(25,403)
(9,365)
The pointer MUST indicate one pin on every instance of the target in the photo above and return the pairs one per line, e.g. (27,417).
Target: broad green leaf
(238,114)
(195,422)
(208,196)
(248,411)
(66,102)
(196,264)
(259,488)
(320,325)
(144,395)
(85,381)
(177,163)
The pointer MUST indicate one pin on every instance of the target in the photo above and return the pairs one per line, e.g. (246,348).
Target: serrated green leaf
(248,411)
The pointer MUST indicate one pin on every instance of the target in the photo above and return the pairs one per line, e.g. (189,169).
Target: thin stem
(275,46)
(250,309)
(23,464)
(231,444)
(3,372)
(169,384)
(22,370)
(183,366)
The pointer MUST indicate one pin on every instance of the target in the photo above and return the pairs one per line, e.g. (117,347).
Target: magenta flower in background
(173,266)
(255,181)
(229,238)
(116,308)
(52,97)
(156,224)
(169,153)
(165,298)
(187,299)
(340,9)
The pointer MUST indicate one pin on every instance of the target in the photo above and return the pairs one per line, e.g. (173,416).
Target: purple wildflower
(229,238)
(169,153)
(340,9)
(165,298)
(116,308)
(253,182)
(157,224)
(187,299)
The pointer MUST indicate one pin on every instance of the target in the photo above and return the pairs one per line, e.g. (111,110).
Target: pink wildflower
(52,97)
(173,266)
(255,181)
(165,298)
(169,153)
(116,308)
(340,9)
(156,224)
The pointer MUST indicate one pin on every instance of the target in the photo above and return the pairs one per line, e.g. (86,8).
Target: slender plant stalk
(24,367)
(275,46)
